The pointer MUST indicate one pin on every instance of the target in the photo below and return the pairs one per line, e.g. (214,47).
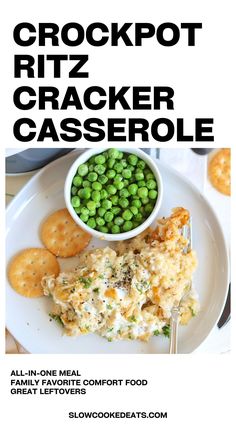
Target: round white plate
(28,319)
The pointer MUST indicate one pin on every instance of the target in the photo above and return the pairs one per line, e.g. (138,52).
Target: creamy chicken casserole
(128,291)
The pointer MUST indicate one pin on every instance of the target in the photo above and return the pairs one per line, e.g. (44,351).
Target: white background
(195,390)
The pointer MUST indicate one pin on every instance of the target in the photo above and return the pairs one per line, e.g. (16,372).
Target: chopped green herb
(86,281)
(192,311)
(101,277)
(156,333)
(110,329)
(57,318)
(96,290)
(133,319)
(109,339)
(166,330)
(109,306)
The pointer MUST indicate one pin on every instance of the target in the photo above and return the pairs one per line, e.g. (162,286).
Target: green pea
(84,211)
(103,229)
(100,221)
(105,154)
(152,194)
(127,215)
(143,192)
(136,203)
(75,201)
(124,163)
(108,216)
(151,184)
(100,169)
(100,159)
(148,208)
(132,188)
(110,225)
(142,210)
(124,193)
(127,174)
(114,199)
(118,167)
(115,229)
(132,159)
(138,217)
(96,186)
(139,176)
(128,225)
(119,185)
(113,153)
(91,168)
(126,182)
(103,194)
(134,210)
(96,196)
(115,210)
(111,189)
(92,212)
(131,168)
(101,211)
(77,181)
(119,221)
(110,174)
(141,164)
(91,205)
(111,163)
(84,217)
(145,200)
(118,178)
(91,223)
(141,183)
(150,176)
(86,183)
(120,155)
(106,204)
(124,203)
(92,160)
(83,170)
(77,209)
(74,190)
(85,193)
(103,179)
(92,176)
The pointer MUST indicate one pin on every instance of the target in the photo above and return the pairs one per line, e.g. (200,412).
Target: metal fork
(175,312)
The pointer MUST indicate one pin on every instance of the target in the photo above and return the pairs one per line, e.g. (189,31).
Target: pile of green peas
(114,192)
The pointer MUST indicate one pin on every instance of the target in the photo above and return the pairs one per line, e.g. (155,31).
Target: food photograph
(118,251)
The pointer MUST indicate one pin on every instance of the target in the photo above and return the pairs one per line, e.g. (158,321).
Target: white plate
(28,319)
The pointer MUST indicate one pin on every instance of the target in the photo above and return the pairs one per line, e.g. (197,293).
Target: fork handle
(174,323)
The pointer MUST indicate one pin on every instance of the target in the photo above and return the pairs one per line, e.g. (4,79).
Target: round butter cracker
(219,171)
(62,236)
(27,269)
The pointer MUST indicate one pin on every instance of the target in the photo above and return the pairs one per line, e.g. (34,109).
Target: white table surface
(195,168)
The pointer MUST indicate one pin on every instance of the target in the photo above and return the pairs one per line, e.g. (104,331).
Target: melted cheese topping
(128,293)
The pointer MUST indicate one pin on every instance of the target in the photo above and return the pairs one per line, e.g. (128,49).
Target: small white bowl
(125,235)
